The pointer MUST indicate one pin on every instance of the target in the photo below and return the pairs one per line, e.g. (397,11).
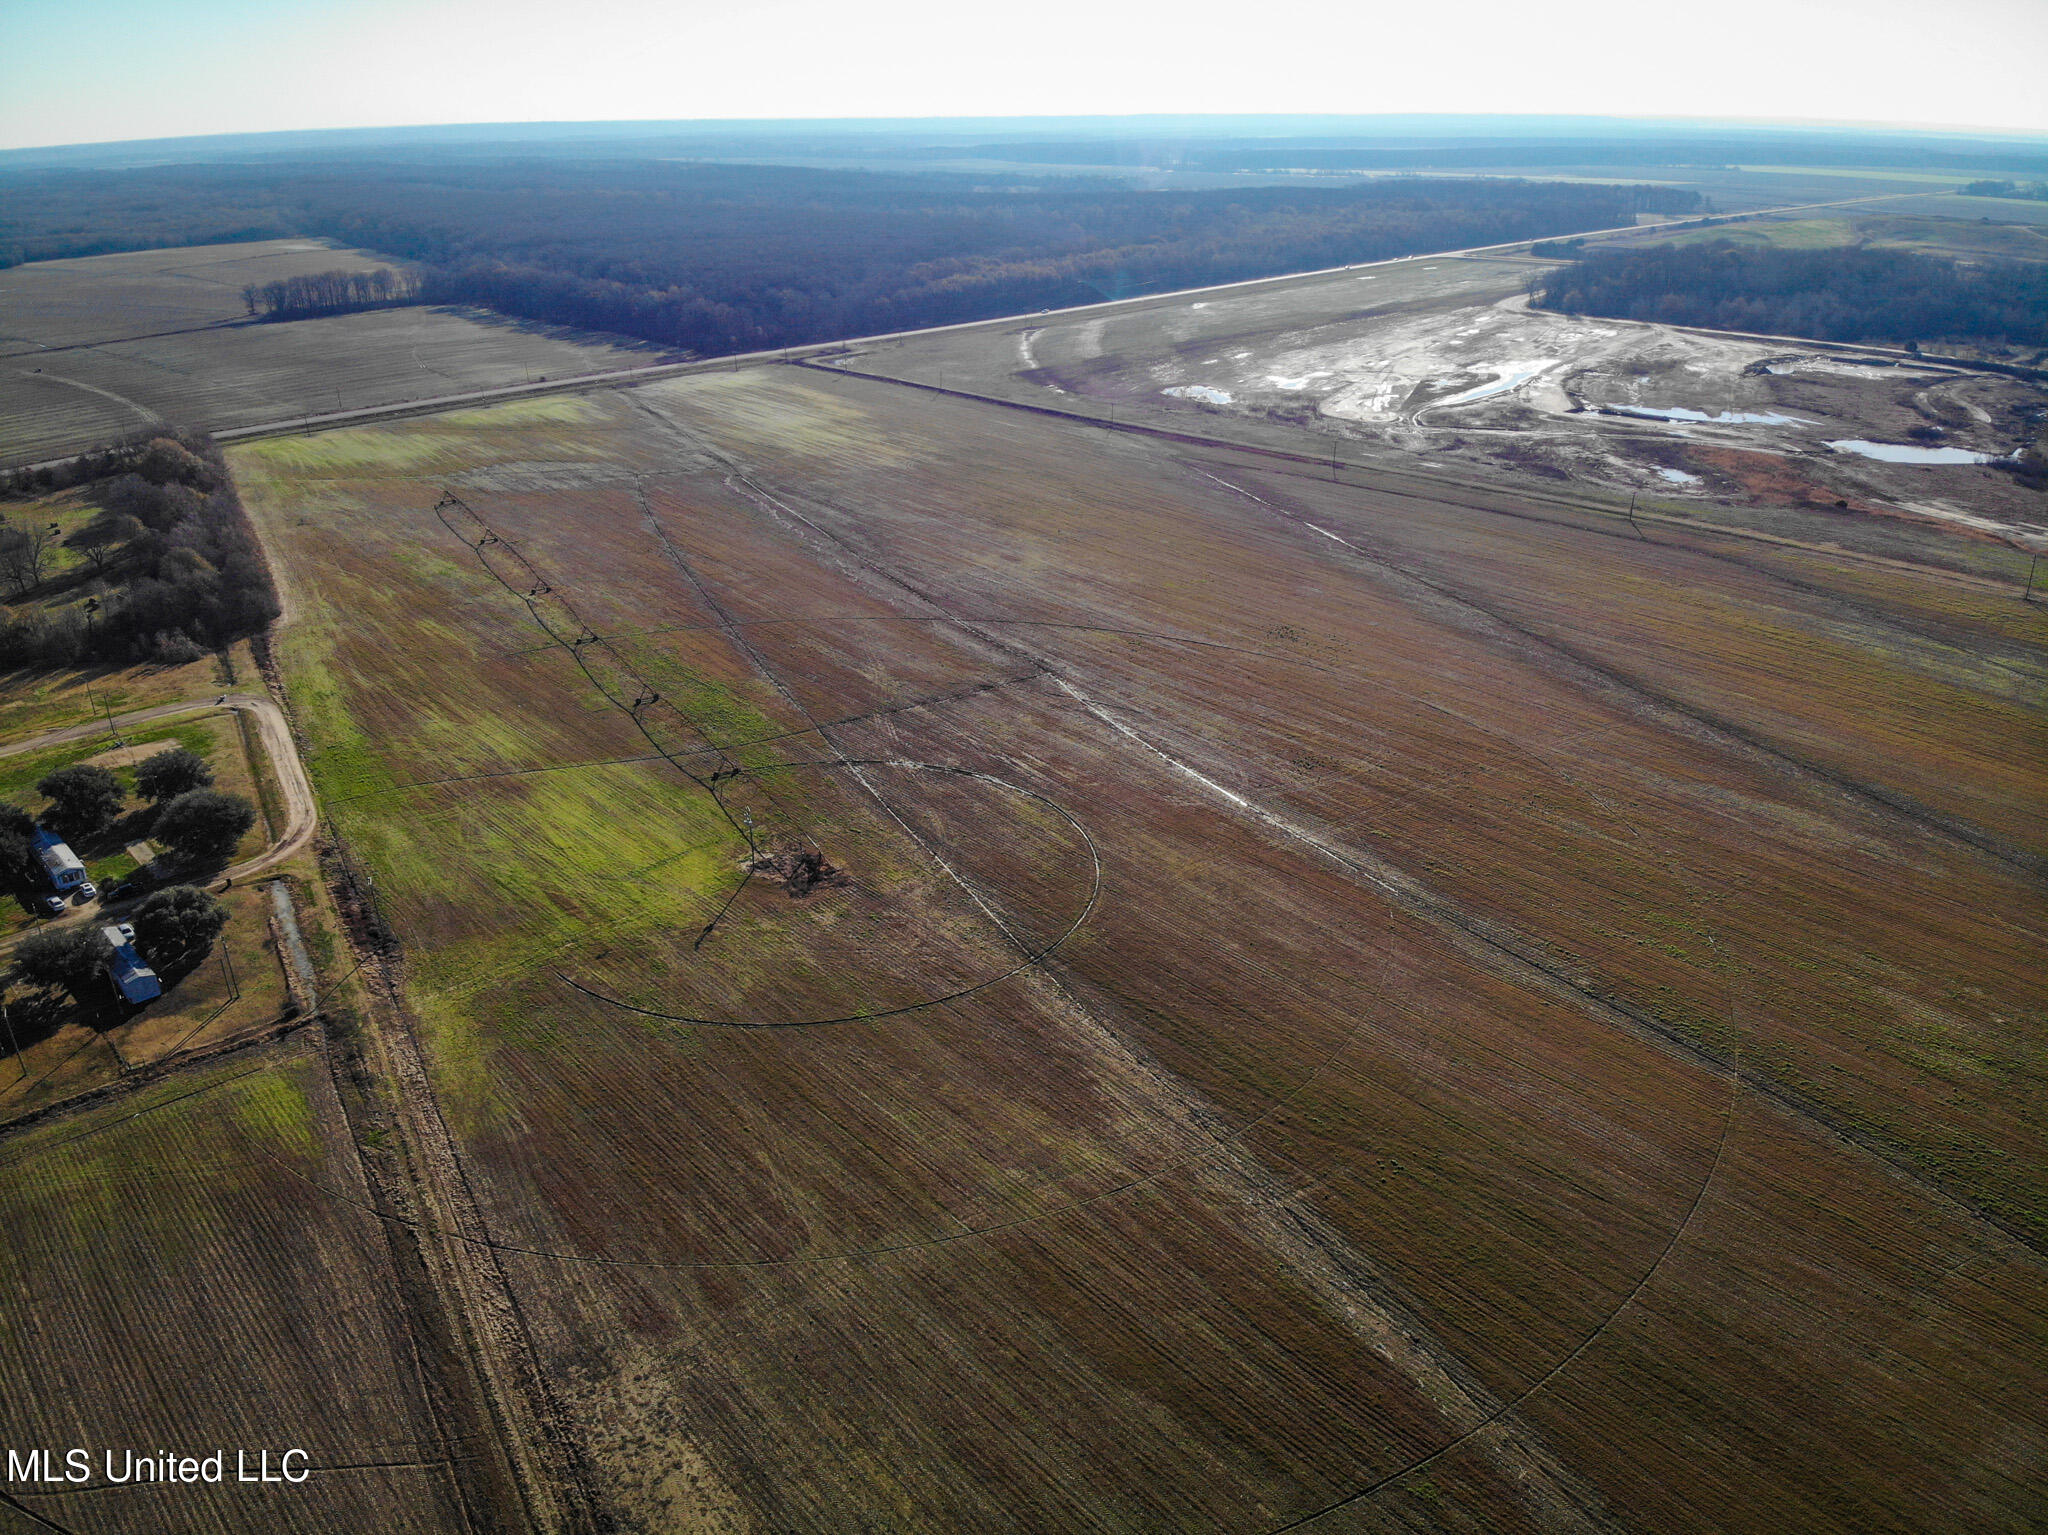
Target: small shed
(131,977)
(58,861)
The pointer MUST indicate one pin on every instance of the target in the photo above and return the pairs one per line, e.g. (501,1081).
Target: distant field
(99,347)
(1437,365)
(48,305)
(1995,210)
(1390,1009)
(1935,236)
(1865,173)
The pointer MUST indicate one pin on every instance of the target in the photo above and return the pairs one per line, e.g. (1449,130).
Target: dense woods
(718,258)
(178,570)
(1846,294)
(744,265)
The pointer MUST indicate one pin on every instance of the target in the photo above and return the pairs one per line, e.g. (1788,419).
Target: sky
(78,71)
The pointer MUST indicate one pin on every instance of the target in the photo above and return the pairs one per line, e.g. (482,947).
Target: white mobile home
(58,861)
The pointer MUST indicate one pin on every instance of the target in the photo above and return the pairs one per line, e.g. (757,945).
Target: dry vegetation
(1338,1006)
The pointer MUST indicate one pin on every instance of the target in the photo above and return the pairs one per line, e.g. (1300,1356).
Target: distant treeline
(1844,294)
(1426,155)
(2031,191)
(336,292)
(172,565)
(737,258)
(720,258)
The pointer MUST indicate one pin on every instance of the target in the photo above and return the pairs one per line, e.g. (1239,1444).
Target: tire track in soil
(1689,719)
(1433,1365)
(647,699)
(459,1292)
(1524,1459)
(1531,1457)
(1529,957)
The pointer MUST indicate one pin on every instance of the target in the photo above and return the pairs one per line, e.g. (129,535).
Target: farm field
(986,973)
(192,1267)
(90,300)
(1439,362)
(95,348)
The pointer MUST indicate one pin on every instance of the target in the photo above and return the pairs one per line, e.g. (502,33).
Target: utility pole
(2028,594)
(227,965)
(92,606)
(1632,518)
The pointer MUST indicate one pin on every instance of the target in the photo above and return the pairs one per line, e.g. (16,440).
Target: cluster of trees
(336,292)
(171,562)
(52,214)
(1847,294)
(174,928)
(190,818)
(193,822)
(1629,150)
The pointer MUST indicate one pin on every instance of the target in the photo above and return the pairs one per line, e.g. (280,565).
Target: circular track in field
(948,881)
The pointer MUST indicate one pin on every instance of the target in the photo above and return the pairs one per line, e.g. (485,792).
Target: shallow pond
(1723,418)
(1513,376)
(1903,453)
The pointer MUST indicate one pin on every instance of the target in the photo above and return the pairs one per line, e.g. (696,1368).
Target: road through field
(277,741)
(106,394)
(617,376)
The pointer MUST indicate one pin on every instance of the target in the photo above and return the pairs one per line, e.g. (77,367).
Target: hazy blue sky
(82,70)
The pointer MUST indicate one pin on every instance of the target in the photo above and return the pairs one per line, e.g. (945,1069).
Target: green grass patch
(19,774)
(272,1107)
(548,410)
(352,450)
(1785,234)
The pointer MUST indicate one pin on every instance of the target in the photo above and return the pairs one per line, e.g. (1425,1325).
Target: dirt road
(300,816)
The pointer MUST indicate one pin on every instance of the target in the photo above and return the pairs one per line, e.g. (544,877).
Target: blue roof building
(131,977)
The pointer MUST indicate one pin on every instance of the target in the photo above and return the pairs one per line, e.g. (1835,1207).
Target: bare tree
(25,552)
(99,539)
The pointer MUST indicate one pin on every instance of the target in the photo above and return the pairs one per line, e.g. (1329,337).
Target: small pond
(1903,453)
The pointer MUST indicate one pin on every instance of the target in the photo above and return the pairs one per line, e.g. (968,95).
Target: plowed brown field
(1329,1008)
(193,1269)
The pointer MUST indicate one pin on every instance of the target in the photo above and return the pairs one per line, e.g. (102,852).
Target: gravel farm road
(300,816)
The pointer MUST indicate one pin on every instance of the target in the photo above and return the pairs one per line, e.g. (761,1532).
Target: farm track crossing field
(928,922)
